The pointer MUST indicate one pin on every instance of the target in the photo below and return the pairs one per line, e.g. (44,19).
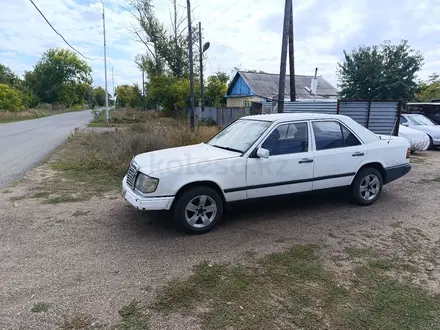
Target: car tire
(367,186)
(198,210)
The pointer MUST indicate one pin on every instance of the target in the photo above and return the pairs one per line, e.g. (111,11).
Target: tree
(99,93)
(129,95)
(7,77)
(380,72)
(9,98)
(60,77)
(216,90)
(429,90)
(166,51)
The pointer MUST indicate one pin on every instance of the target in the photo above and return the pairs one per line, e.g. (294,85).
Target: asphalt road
(24,144)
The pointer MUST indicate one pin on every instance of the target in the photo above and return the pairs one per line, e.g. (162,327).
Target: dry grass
(122,116)
(6,116)
(112,151)
(296,290)
(93,163)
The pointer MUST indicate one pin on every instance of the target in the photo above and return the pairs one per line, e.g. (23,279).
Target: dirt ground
(86,260)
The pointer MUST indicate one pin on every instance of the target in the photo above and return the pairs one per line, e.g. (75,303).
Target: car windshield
(240,135)
(420,120)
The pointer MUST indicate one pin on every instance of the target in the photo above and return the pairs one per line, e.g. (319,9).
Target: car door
(289,168)
(338,154)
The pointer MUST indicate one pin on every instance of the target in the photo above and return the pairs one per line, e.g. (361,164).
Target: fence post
(337,107)
(399,113)
(368,114)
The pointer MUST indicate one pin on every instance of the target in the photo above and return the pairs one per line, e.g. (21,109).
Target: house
(247,87)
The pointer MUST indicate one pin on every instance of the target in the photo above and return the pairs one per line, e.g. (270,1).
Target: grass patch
(358,252)
(93,163)
(102,125)
(6,191)
(40,307)
(294,289)
(80,213)
(133,317)
(17,198)
(63,199)
(383,264)
(41,194)
(384,303)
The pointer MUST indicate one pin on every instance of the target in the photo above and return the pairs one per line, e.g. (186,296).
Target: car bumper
(145,203)
(396,172)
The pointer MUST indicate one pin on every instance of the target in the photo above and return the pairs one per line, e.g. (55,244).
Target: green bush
(9,98)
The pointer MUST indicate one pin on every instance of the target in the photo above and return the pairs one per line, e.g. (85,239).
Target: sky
(245,34)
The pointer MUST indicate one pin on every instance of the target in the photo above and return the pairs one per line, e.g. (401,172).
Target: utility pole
(202,97)
(105,62)
(291,57)
(143,89)
(191,66)
(282,81)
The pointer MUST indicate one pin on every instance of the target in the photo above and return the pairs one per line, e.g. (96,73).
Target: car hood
(166,159)
(434,131)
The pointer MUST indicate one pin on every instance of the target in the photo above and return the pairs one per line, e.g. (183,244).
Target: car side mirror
(405,124)
(263,153)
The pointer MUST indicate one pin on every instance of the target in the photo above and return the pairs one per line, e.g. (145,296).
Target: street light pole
(113,82)
(105,62)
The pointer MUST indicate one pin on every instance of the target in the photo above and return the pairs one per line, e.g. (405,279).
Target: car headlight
(146,184)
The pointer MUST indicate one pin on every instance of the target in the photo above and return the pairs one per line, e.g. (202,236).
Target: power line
(91,59)
(227,9)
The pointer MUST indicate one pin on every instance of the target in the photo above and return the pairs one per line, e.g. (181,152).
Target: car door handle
(305,160)
(358,154)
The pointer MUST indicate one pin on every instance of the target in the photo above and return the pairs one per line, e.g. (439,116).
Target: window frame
(342,134)
(309,135)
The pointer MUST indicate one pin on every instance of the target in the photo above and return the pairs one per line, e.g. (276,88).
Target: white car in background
(424,124)
(418,140)
(260,156)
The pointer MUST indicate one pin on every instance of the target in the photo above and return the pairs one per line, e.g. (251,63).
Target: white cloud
(242,33)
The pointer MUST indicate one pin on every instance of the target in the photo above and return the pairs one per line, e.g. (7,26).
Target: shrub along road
(24,144)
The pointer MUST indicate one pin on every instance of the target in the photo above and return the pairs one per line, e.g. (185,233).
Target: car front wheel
(367,186)
(198,210)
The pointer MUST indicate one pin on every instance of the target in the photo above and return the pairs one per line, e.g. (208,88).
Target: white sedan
(424,124)
(264,155)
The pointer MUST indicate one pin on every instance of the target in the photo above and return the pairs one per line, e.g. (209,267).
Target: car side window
(331,135)
(287,139)
(328,135)
(403,120)
(350,140)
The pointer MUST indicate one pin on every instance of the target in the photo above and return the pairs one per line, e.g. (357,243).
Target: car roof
(279,117)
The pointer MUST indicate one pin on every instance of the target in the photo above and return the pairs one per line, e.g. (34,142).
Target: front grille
(132,173)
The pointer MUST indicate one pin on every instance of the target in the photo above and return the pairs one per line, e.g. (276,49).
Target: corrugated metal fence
(222,116)
(381,117)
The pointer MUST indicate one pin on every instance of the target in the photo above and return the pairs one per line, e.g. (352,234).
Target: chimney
(314,83)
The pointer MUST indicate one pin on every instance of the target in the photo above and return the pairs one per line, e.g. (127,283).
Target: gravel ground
(91,258)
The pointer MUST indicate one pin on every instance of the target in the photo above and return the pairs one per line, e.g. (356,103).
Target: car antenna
(395,123)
